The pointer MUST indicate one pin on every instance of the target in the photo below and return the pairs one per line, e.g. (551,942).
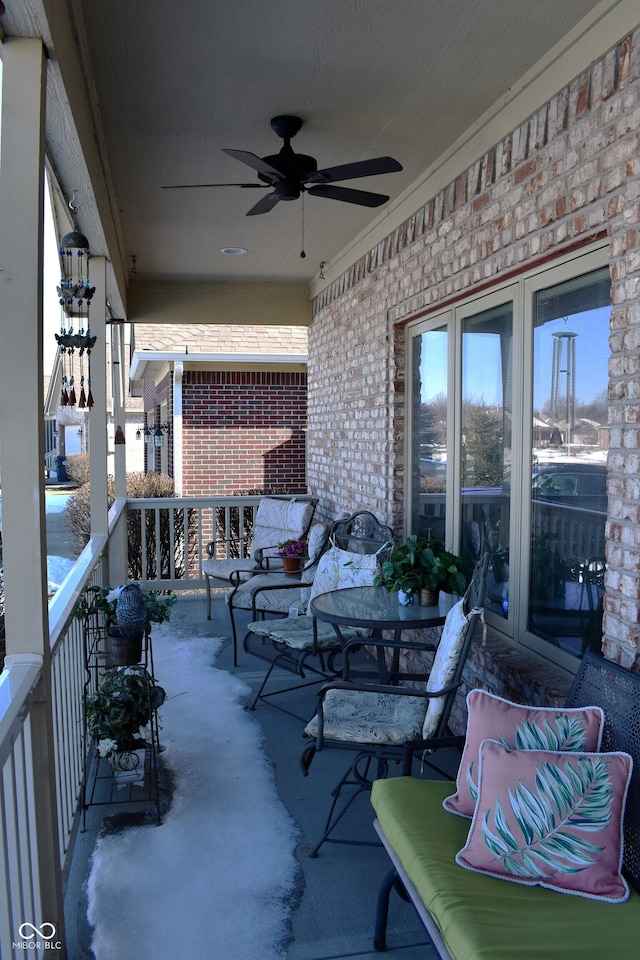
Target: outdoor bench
(472,916)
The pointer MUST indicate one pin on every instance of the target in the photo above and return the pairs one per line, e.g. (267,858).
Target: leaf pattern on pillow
(552,820)
(568,734)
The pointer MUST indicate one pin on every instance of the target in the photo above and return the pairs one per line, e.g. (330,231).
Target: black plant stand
(99,787)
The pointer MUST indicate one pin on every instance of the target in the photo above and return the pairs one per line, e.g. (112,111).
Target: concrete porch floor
(334,918)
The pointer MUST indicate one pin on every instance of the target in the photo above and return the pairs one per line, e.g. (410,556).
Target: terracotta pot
(291,564)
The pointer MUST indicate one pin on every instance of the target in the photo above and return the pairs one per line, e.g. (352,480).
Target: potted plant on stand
(422,567)
(121,716)
(292,553)
(126,613)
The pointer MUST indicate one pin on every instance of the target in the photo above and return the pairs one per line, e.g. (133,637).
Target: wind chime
(74,340)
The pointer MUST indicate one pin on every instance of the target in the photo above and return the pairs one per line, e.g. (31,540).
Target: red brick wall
(568,174)
(243,429)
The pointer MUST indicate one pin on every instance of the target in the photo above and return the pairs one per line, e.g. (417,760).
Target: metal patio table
(377,610)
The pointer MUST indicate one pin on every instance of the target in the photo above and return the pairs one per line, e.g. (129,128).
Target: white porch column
(118,545)
(22,427)
(98,414)
(176,427)
(119,413)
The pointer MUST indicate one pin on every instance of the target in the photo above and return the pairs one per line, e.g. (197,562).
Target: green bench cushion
(482,918)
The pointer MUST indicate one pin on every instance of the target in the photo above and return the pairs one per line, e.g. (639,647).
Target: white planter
(128,768)
(405,598)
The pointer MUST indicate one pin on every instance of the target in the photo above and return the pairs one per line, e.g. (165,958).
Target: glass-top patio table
(377,610)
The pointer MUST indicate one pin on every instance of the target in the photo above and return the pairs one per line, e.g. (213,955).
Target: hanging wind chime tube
(74,340)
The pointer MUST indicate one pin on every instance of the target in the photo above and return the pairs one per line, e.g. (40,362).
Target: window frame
(520,292)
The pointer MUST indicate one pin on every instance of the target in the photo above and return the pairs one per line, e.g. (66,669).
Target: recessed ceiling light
(234,251)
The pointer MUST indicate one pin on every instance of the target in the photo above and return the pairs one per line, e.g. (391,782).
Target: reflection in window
(430,390)
(487,366)
(568,469)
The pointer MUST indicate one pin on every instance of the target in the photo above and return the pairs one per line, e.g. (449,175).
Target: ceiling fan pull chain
(302,253)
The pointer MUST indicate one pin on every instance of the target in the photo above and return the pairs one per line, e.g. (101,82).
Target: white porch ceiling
(171,84)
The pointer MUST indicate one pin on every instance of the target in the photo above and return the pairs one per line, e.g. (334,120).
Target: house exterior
(232,401)
(538,206)
(472,332)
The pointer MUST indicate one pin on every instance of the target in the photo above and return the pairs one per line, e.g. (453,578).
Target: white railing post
(21,365)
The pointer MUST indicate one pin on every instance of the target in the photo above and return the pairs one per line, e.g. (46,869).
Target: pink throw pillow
(551,819)
(520,728)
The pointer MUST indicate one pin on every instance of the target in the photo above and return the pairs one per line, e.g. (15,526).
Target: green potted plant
(292,552)
(120,717)
(422,566)
(125,623)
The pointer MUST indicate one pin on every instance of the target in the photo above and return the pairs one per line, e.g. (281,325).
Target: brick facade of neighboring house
(243,430)
(243,402)
(569,174)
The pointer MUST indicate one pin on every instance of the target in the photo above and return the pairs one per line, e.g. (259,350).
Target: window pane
(487,366)
(568,475)
(430,390)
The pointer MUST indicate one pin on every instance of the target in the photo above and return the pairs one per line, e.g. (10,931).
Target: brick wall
(568,174)
(243,430)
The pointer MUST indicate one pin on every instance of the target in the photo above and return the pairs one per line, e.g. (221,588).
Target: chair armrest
(375,688)
(356,643)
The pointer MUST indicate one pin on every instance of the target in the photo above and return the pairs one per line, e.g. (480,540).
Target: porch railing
(173,533)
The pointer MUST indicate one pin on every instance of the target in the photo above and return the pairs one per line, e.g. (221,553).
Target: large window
(509,439)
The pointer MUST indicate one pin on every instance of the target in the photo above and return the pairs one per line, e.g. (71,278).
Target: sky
(482,381)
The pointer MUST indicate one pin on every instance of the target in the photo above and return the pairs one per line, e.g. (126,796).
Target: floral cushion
(336,569)
(275,521)
(362,716)
(222,569)
(297,632)
(520,727)
(552,819)
(278,520)
(270,601)
(280,601)
(445,664)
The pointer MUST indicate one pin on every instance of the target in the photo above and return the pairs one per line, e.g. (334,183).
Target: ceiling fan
(291,174)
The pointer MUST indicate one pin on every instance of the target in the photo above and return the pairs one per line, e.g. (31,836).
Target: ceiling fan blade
(264,205)
(256,162)
(195,186)
(363,197)
(362,168)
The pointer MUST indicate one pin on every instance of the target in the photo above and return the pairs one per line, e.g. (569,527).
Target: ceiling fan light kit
(291,174)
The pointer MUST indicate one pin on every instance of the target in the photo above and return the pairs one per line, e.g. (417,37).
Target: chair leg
(207,582)
(362,782)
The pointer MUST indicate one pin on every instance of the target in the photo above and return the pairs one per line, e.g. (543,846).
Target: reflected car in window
(582,485)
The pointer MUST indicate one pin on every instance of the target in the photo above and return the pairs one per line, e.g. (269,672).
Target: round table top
(375,607)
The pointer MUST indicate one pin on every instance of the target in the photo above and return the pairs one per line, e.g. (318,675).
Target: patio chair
(301,644)
(376,720)
(276,592)
(275,520)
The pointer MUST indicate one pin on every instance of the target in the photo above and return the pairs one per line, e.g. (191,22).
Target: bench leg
(382,910)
